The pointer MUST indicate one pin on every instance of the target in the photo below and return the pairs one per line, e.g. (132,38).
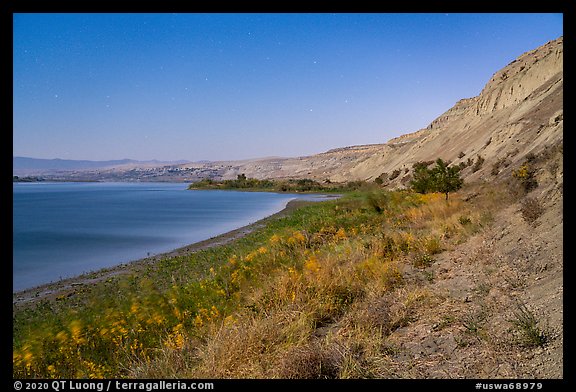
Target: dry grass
(531,209)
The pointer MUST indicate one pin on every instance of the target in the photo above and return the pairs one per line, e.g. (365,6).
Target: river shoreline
(67,287)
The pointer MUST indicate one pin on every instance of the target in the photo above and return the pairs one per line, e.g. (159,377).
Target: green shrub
(395,174)
(530,334)
(423,260)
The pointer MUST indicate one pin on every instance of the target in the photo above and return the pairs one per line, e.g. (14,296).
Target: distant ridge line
(27,163)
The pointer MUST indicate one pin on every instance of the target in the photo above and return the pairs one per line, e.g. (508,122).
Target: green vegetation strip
(290,185)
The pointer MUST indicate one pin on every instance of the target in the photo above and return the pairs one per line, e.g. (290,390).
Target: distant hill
(27,166)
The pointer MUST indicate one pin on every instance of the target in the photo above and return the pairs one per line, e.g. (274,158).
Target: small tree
(440,178)
(421,179)
(446,179)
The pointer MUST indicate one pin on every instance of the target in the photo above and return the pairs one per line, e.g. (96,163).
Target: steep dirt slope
(485,285)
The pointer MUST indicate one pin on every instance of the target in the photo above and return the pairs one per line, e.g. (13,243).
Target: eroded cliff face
(520,110)
(518,80)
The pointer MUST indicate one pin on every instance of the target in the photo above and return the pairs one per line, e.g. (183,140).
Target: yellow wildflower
(61,336)
(51,371)
(157,318)
(214,312)
(94,370)
(312,264)
(340,234)
(299,237)
(292,271)
(16,357)
(176,339)
(229,320)
(76,332)
(522,172)
(28,357)
(198,321)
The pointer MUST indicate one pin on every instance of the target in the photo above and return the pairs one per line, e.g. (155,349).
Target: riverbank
(68,287)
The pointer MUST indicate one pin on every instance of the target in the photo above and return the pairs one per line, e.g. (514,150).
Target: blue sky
(236,86)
